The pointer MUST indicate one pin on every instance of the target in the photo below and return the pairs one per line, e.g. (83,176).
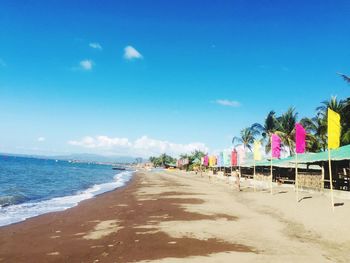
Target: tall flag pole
(241,161)
(233,160)
(333,142)
(257,157)
(300,144)
(275,152)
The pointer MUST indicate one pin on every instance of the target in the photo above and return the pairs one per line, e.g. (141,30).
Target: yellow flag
(333,129)
(256,150)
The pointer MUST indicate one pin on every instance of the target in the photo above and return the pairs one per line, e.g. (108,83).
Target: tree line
(284,126)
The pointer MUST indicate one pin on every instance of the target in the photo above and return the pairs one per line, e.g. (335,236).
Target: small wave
(10,214)
(11,200)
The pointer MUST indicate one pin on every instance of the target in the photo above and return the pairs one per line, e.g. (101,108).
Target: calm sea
(30,186)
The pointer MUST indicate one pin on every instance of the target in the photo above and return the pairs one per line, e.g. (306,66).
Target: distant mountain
(96,158)
(86,157)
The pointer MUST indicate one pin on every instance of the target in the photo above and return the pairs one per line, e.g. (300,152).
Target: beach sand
(171,216)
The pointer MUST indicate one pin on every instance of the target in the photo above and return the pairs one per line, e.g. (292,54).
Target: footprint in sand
(79,234)
(96,246)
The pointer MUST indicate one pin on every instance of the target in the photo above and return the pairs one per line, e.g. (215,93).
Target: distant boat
(119,168)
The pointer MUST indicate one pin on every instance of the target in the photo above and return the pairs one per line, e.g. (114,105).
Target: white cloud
(143,146)
(95,45)
(131,53)
(228,103)
(41,139)
(101,142)
(86,64)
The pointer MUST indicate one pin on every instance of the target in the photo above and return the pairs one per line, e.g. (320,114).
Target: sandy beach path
(180,217)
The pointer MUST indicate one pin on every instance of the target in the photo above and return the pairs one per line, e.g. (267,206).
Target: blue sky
(66,85)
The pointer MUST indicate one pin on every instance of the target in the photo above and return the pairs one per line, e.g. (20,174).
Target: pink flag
(206,160)
(275,146)
(241,155)
(300,134)
(234,158)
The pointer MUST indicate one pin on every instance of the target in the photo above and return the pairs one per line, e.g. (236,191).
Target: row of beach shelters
(313,169)
(340,159)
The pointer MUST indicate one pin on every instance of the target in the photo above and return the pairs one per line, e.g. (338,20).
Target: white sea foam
(16,213)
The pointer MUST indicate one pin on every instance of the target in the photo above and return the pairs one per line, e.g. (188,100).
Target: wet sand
(180,217)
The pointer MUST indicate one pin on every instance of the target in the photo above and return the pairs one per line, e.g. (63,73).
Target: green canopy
(288,162)
(284,163)
(170,164)
(341,153)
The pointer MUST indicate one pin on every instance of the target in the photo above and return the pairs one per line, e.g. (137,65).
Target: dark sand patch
(30,241)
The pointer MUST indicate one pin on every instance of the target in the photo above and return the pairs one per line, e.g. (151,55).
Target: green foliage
(162,160)
(247,137)
(316,127)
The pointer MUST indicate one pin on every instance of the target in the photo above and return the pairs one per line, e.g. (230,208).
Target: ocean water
(31,187)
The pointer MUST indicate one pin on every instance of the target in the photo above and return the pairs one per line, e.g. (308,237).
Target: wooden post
(254,176)
(296,176)
(271,173)
(322,178)
(330,177)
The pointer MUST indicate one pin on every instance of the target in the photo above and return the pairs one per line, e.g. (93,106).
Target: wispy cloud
(228,103)
(131,53)
(2,63)
(100,142)
(41,139)
(95,45)
(86,64)
(143,146)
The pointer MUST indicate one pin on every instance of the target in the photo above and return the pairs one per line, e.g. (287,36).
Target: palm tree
(247,137)
(333,104)
(286,128)
(316,136)
(345,77)
(343,108)
(267,129)
(345,117)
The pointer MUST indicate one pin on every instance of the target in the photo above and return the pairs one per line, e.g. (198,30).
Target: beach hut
(340,166)
(170,165)
(283,171)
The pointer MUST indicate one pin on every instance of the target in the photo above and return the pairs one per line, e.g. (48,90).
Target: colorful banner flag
(219,160)
(241,155)
(333,129)
(234,158)
(227,158)
(257,150)
(275,146)
(212,161)
(300,135)
(206,160)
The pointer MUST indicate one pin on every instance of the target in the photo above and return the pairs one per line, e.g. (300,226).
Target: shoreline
(60,203)
(163,216)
